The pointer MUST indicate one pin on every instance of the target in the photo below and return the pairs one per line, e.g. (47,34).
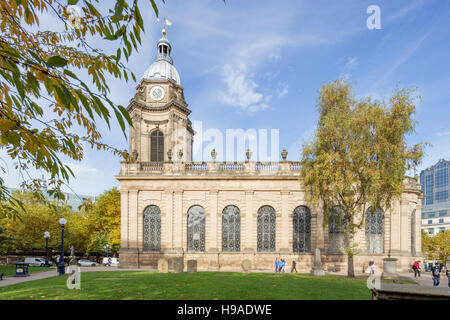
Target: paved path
(54,272)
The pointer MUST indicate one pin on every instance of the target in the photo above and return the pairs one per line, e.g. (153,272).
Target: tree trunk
(350,267)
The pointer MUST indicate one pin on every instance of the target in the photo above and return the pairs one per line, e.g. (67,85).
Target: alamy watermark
(374,20)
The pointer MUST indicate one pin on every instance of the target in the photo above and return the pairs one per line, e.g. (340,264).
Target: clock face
(157,93)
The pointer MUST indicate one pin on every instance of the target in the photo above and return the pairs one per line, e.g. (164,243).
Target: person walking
(283,265)
(436,274)
(294,264)
(447,274)
(426,267)
(276,265)
(416,268)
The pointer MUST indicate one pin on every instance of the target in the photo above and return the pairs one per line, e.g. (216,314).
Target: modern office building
(72,200)
(436,204)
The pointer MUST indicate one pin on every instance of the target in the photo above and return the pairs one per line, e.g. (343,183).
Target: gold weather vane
(165,23)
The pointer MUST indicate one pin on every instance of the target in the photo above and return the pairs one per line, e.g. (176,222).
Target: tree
(104,216)
(437,247)
(358,157)
(44,103)
(89,229)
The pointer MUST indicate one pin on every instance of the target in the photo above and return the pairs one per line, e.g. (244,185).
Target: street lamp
(46,236)
(107,250)
(61,266)
(107,253)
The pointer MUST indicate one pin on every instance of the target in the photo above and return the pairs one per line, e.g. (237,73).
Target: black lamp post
(61,266)
(46,236)
(107,253)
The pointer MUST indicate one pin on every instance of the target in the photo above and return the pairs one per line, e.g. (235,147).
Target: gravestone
(163,266)
(192,266)
(246,265)
(178,265)
(317,269)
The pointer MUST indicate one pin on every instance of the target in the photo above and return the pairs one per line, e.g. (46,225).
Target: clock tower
(161,129)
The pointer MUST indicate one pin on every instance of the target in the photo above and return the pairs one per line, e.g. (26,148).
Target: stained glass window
(196,229)
(374,231)
(152,229)
(231,229)
(302,229)
(266,229)
(336,228)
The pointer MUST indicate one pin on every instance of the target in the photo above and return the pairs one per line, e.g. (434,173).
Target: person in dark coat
(436,274)
(294,264)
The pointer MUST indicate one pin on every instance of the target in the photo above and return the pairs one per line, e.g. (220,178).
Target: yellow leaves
(6,125)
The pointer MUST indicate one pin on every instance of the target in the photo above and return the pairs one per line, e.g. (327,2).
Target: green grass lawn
(10,269)
(203,285)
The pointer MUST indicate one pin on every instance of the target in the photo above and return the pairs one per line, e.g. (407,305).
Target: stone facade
(157,196)
(175,188)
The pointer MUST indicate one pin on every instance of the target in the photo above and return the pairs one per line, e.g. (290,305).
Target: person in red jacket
(416,268)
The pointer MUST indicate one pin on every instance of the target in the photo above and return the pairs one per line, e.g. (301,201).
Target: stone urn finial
(169,154)
(213,154)
(180,153)
(249,154)
(134,155)
(284,154)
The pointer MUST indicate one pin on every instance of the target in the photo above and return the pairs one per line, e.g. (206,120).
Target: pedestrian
(436,274)
(426,267)
(447,274)
(276,265)
(416,268)
(371,266)
(294,264)
(283,264)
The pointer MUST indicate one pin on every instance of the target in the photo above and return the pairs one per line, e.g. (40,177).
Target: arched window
(152,229)
(157,146)
(196,229)
(231,229)
(266,229)
(413,232)
(336,228)
(374,231)
(302,229)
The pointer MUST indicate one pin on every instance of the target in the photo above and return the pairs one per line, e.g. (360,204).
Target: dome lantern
(163,67)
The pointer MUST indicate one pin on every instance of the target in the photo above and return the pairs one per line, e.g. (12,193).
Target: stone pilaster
(212,224)
(124,219)
(248,241)
(284,235)
(178,220)
(167,223)
(133,219)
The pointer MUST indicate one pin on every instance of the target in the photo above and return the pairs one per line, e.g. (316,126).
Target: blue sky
(259,64)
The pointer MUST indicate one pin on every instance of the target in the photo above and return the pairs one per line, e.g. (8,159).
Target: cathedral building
(221,213)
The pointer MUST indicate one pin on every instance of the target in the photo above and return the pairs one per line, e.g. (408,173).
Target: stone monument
(178,265)
(192,266)
(317,269)
(163,266)
(246,265)
(389,268)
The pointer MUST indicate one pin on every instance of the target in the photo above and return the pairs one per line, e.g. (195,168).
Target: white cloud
(405,10)
(282,90)
(242,90)
(349,66)
(443,134)
(82,171)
